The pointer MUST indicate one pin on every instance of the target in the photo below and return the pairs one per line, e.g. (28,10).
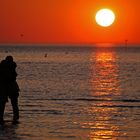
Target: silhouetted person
(10,87)
(3,93)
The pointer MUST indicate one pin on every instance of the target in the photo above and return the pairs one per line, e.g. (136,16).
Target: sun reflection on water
(105,74)
(105,85)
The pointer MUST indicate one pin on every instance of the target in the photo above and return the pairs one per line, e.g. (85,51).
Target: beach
(75,93)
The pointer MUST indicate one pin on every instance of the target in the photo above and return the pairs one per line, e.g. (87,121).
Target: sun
(105,17)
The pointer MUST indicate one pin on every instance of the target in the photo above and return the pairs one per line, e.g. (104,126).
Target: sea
(75,93)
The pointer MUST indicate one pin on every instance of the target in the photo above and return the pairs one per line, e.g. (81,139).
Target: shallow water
(75,94)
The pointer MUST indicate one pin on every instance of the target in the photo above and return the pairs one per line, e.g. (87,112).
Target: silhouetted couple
(8,87)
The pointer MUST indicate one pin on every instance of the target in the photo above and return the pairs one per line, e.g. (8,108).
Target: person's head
(9,58)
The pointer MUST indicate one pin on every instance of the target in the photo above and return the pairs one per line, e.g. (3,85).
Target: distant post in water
(126,43)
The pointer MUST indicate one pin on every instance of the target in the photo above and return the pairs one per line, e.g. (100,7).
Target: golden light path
(105,83)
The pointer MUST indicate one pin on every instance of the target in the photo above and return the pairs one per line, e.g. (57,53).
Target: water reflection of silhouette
(8,131)
(105,85)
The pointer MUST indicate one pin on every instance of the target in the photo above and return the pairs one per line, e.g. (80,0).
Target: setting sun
(105,17)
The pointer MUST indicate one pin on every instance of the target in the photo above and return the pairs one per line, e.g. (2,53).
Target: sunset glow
(105,17)
(68,22)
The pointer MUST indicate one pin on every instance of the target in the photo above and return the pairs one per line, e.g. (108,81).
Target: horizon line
(72,44)
(69,43)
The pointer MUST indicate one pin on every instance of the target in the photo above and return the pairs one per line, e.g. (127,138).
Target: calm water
(75,94)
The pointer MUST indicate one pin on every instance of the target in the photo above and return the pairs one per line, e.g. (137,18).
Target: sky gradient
(67,21)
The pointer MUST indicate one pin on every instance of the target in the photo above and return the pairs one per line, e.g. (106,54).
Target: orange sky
(67,21)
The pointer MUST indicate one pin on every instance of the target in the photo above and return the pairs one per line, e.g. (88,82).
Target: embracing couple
(9,88)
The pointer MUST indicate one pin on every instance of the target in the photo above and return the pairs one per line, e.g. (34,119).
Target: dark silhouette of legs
(2,107)
(14,102)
